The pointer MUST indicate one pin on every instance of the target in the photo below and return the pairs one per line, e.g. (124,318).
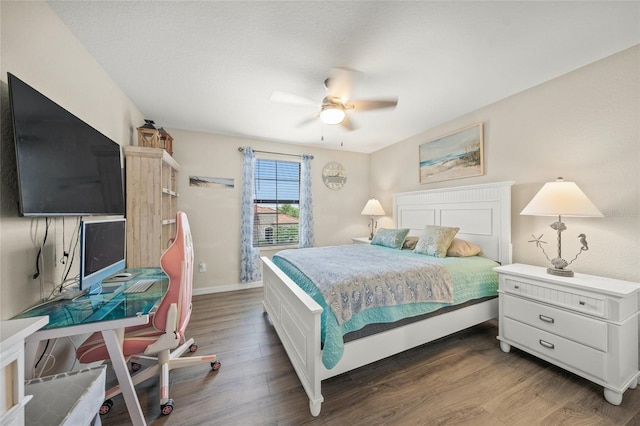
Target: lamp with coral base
(373,209)
(561,198)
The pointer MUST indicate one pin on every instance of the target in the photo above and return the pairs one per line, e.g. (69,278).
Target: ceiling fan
(336,104)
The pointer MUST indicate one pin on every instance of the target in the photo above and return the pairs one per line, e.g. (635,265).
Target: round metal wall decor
(334,175)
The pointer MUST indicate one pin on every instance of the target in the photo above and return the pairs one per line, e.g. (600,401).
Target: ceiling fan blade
(348,124)
(289,98)
(369,105)
(309,120)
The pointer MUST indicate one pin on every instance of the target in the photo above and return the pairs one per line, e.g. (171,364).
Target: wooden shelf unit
(152,204)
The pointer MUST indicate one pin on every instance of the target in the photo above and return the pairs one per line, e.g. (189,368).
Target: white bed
(483,214)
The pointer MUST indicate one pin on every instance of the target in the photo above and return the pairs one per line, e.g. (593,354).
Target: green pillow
(435,240)
(392,238)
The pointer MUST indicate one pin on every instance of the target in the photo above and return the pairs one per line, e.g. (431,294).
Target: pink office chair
(165,330)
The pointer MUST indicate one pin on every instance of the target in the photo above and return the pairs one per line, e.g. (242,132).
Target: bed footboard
(296,319)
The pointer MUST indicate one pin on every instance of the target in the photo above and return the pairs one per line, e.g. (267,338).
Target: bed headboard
(482,212)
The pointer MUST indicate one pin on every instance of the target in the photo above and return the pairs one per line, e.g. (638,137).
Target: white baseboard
(225,288)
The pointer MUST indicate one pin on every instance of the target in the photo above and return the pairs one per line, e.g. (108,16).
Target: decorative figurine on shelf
(151,137)
(149,124)
(148,135)
(166,141)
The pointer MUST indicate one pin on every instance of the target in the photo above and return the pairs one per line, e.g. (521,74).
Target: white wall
(583,126)
(214,213)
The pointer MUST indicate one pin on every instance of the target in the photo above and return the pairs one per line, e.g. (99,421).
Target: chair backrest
(177,263)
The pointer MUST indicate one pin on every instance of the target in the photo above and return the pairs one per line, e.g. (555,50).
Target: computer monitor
(102,251)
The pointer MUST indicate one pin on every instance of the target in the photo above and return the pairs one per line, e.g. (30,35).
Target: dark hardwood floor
(463,379)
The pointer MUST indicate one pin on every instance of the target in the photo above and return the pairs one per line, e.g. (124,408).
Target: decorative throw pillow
(410,243)
(390,238)
(435,240)
(463,248)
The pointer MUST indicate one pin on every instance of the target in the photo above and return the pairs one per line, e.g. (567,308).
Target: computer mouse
(123,275)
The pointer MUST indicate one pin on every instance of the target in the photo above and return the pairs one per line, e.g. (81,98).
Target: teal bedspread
(473,278)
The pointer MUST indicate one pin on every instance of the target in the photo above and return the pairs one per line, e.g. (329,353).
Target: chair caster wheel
(167,408)
(215,366)
(105,407)
(135,366)
(193,348)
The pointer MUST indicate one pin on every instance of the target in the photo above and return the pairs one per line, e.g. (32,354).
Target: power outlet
(203,267)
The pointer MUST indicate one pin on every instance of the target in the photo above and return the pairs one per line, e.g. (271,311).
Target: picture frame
(456,155)
(211,182)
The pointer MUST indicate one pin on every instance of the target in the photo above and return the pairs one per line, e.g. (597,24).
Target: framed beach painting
(453,156)
(211,182)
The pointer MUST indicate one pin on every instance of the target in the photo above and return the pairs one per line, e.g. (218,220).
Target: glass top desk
(110,313)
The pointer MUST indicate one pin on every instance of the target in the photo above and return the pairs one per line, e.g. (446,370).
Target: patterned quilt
(473,278)
(353,279)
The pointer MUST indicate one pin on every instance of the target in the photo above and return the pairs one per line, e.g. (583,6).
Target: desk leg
(30,349)
(113,340)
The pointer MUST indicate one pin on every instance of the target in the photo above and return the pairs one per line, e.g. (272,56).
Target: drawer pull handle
(516,287)
(546,319)
(582,302)
(547,344)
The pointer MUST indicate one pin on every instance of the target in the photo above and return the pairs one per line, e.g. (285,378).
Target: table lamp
(373,209)
(561,198)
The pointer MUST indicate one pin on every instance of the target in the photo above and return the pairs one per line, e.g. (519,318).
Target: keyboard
(140,286)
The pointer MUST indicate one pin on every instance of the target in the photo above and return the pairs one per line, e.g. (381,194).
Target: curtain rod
(241,149)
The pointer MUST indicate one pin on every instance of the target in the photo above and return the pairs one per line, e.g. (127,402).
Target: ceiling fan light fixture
(332,114)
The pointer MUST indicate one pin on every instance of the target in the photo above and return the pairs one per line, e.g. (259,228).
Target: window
(277,202)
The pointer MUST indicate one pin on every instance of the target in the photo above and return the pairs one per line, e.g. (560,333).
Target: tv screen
(65,166)
(102,250)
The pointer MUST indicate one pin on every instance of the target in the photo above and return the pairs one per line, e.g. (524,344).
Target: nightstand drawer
(592,304)
(581,329)
(584,324)
(588,360)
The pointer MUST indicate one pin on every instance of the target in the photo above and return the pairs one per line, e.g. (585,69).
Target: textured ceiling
(212,66)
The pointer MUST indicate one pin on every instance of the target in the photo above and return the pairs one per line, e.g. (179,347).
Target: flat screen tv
(65,166)
(102,251)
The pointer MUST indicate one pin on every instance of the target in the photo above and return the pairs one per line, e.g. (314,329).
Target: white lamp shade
(332,114)
(561,198)
(373,208)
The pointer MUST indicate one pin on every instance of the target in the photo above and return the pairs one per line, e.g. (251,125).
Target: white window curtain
(305,232)
(249,255)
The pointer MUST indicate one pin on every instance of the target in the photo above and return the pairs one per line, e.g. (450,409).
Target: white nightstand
(361,240)
(585,324)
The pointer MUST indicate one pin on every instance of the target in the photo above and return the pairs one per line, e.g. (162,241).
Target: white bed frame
(483,214)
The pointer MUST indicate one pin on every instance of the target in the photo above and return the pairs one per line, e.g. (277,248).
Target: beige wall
(39,49)
(583,126)
(214,213)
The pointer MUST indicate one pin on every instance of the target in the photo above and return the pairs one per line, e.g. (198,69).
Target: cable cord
(50,355)
(44,351)
(59,289)
(75,350)
(44,240)
(75,238)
